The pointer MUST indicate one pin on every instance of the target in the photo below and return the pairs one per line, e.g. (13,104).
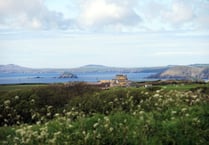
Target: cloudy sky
(127,33)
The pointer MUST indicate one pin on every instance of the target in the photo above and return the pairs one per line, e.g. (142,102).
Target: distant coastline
(92,73)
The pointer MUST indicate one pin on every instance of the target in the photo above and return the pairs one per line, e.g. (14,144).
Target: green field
(19,86)
(79,114)
(183,87)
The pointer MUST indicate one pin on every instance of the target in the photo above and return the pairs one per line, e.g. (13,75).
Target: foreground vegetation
(81,114)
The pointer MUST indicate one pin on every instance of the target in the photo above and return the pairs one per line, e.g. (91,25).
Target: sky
(123,33)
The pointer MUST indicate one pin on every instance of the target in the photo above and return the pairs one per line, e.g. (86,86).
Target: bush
(115,116)
(31,105)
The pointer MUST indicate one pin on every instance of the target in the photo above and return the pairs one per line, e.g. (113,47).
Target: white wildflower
(48,114)
(198,100)
(141,112)
(110,129)
(87,136)
(32,101)
(68,113)
(70,125)
(38,122)
(48,108)
(98,136)
(141,118)
(194,96)
(52,141)
(95,125)
(116,99)
(34,116)
(57,133)
(158,91)
(156,95)
(106,125)
(56,115)
(84,132)
(106,119)
(16,97)
(183,109)
(173,112)
(29,126)
(7,102)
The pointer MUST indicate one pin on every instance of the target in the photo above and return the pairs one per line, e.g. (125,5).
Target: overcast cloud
(71,33)
(30,14)
(106,15)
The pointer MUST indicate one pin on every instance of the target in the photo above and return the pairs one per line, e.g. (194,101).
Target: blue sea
(18,78)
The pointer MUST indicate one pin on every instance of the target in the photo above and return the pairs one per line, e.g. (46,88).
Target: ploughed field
(82,114)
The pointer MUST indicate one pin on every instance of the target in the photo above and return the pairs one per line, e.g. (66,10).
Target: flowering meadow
(84,115)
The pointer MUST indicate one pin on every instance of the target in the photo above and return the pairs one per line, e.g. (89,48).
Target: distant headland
(181,72)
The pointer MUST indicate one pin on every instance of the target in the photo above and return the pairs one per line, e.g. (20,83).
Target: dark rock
(68,75)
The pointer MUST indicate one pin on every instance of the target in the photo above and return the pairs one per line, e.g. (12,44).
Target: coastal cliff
(184,73)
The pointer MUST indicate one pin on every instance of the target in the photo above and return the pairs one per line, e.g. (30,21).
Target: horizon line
(101,65)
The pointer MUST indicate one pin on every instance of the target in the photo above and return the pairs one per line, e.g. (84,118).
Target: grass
(19,86)
(183,87)
(15,87)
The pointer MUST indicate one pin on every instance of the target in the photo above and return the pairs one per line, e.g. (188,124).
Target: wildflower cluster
(116,116)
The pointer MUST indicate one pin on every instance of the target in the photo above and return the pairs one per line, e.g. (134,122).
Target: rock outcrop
(183,73)
(68,75)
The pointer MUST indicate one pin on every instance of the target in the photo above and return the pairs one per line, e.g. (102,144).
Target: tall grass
(119,116)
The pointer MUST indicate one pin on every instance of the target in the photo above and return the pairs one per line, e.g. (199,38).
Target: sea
(53,77)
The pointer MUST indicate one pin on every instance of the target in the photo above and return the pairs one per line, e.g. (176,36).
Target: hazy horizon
(86,65)
(118,33)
